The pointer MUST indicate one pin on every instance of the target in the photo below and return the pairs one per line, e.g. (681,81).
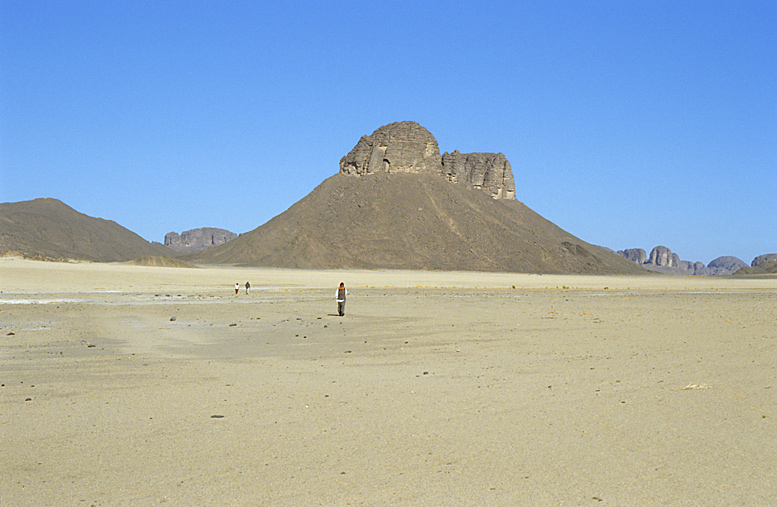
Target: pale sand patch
(435,389)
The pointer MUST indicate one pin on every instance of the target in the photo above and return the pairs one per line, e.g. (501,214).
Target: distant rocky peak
(764,258)
(407,147)
(662,256)
(197,240)
(637,255)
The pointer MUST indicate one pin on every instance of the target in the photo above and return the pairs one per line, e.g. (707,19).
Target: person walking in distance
(248,287)
(237,287)
(340,296)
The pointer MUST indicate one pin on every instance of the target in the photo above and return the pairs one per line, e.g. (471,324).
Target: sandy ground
(127,385)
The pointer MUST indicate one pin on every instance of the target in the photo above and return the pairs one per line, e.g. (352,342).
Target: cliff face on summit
(407,147)
(403,147)
(396,203)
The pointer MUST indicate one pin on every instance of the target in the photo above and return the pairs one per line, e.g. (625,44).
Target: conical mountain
(412,221)
(49,228)
(397,204)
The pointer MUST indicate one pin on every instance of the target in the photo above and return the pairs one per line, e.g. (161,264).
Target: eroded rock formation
(663,260)
(407,147)
(637,255)
(661,256)
(197,240)
(490,172)
(725,265)
(402,147)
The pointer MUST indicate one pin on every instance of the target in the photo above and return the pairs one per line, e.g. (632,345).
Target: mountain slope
(764,268)
(412,221)
(50,228)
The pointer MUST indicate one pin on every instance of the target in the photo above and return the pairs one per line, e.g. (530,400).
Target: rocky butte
(407,147)
(396,203)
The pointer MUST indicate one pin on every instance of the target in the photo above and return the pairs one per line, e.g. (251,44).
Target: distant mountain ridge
(663,260)
(396,203)
(49,228)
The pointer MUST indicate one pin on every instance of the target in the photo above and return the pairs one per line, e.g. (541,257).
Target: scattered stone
(695,386)
(233,325)
(173,318)
(217,416)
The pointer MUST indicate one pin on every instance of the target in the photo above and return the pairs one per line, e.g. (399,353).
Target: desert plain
(136,385)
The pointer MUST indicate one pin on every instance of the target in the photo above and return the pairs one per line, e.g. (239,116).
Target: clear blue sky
(628,124)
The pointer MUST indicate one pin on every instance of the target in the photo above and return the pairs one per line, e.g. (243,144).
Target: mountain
(49,228)
(763,258)
(395,204)
(768,267)
(197,240)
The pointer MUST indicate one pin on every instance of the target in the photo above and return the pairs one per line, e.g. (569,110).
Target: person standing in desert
(340,296)
(237,287)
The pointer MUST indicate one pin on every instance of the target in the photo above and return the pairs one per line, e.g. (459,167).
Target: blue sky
(628,124)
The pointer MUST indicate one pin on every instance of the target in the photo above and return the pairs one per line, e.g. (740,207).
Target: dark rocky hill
(763,258)
(48,228)
(395,205)
(761,268)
